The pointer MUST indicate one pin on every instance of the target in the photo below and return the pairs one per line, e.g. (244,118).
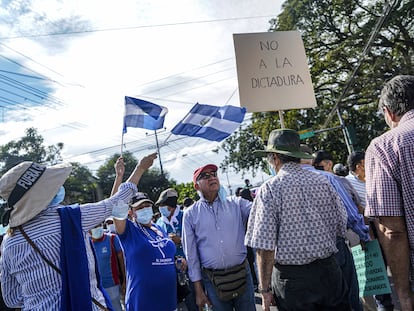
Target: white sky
(173,53)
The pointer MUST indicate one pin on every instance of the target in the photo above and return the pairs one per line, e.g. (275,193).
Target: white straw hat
(39,185)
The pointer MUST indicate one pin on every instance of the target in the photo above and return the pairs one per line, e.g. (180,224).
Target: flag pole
(122,143)
(158,151)
(188,113)
(281,119)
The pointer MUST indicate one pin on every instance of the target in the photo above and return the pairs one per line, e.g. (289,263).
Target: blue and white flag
(210,122)
(143,114)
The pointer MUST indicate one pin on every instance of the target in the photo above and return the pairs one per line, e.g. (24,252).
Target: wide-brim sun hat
(39,195)
(283,141)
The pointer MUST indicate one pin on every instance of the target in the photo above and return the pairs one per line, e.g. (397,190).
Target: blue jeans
(115,295)
(346,263)
(243,303)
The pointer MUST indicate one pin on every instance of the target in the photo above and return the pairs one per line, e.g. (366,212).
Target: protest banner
(273,72)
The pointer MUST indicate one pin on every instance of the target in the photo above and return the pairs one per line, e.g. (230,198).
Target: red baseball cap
(198,171)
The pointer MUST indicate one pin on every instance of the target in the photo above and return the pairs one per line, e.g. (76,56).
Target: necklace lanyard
(149,236)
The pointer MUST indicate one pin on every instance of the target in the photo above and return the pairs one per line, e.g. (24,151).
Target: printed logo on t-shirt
(159,243)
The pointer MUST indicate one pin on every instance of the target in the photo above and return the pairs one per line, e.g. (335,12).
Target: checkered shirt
(389,166)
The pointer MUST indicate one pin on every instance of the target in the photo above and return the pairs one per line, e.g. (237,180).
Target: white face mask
(97,233)
(144,215)
(111,228)
(164,211)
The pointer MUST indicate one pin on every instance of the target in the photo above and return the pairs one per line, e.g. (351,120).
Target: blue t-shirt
(150,269)
(106,255)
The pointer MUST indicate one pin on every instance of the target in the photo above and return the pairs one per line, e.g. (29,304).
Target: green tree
(186,190)
(81,186)
(344,69)
(152,182)
(29,148)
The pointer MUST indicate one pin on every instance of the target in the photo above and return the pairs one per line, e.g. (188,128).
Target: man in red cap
(213,242)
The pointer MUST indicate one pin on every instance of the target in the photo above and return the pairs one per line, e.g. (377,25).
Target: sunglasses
(206,175)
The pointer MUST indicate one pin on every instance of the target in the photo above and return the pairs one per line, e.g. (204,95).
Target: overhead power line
(67,33)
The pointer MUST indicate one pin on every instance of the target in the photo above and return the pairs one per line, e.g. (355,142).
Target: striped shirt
(298,214)
(27,281)
(359,187)
(389,166)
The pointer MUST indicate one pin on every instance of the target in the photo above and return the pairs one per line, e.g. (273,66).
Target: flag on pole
(143,114)
(210,122)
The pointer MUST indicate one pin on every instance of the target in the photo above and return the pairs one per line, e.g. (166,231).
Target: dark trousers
(317,286)
(346,263)
(251,259)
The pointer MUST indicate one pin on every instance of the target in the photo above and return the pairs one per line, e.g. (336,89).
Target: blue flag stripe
(210,122)
(201,131)
(143,114)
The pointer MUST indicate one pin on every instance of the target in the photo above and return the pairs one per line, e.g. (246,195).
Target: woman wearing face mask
(149,257)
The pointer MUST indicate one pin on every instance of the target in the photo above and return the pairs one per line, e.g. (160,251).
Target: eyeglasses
(207,175)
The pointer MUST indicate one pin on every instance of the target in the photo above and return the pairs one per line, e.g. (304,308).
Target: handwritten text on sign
(272,71)
(371,271)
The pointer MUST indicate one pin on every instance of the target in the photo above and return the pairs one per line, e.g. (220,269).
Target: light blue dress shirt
(213,234)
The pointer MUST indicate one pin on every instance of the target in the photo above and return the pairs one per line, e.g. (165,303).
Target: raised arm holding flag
(143,114)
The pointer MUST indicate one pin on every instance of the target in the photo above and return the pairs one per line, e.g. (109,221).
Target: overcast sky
(66,66)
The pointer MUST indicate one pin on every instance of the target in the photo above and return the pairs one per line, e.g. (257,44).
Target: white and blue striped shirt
(27,281)
(359,187)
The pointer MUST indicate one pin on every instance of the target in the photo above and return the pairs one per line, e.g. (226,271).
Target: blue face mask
(164,211)
(144,215)
(222,194)
(272,170)
(59,197)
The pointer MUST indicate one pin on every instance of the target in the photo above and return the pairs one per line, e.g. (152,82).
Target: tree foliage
(344,69)
(152,182)
(29,148)
(186,190)
(81,186)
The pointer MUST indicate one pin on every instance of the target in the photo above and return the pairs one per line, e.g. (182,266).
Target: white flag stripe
(220,124)
(133,109)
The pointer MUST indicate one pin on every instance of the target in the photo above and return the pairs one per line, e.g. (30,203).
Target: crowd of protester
(290,241)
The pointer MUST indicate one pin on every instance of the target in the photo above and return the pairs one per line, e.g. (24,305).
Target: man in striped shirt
(356,176)
(29,281)
(389,169)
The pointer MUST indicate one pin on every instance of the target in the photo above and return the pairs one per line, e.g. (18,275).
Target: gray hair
(398,95)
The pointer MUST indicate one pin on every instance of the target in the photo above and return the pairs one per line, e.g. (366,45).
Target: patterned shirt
(389,163)
(355,219)
(27,281)
(298,214)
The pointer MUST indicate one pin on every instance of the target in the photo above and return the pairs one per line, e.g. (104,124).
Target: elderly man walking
(295,220)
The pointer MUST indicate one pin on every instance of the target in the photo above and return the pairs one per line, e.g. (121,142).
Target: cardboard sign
(371,271)
(272,71)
